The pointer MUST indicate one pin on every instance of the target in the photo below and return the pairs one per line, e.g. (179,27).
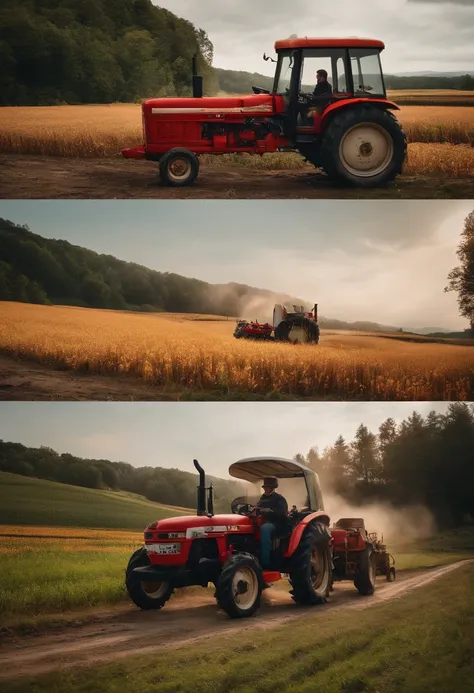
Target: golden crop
(103,130)
(187,354)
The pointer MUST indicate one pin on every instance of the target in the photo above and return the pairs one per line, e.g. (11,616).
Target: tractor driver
(275,513)
(322,88)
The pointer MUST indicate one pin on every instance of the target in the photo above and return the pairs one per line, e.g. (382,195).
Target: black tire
(189,166)
(367,571)
(332,160)
(239,567)
(283,329)
(145,599)
(391,575)
(305,588)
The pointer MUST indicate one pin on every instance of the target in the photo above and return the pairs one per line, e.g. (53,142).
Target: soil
(124,632)
(26,381)
(36,177)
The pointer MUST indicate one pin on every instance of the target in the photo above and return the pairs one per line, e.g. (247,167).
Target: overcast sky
(418,34)
(172,435)
(384,261)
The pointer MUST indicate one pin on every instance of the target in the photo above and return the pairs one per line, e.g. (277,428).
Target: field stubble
(441,138)
(179,352)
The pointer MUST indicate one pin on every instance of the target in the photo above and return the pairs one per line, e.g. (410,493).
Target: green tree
(461,278)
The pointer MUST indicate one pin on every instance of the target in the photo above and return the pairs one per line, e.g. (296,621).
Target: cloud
(418,34)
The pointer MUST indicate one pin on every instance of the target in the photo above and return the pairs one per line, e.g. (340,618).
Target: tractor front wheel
(364,147)
(179,167)
(367,571)
(311,572)
(240,586)
(146,595)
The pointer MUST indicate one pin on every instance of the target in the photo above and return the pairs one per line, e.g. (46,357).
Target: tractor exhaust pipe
(210,501)
(315,312)
(201,490)
(197,80)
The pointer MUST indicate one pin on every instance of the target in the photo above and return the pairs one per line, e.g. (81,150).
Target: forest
(423,460)
(97,51)
(34,269)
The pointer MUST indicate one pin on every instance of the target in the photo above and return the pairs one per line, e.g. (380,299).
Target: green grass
(27,501)
(420,643)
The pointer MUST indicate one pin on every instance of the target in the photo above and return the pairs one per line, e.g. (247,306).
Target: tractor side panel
(321,123)
(212,125)
(300,528)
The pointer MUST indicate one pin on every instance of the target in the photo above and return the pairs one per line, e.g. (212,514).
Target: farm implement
(359,556)
(350,131)
(225,550)
(295,327)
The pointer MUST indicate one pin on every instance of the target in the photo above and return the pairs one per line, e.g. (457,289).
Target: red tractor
(296,327)
(351,133)
(224,549)
(359,556)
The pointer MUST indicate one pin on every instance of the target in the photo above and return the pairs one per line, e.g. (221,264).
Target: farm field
(73,151)
(63,559)
(188,357)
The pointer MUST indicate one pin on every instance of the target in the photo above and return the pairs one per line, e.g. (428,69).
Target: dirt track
(26,381)
(35,177)
(182,622)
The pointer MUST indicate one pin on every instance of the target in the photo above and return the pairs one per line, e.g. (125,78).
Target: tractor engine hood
(252,105)
(214,524)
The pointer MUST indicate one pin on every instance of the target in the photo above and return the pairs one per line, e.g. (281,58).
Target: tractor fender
(331,110)
(297,533)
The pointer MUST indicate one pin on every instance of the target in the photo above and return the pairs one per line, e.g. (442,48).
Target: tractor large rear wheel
(240,586)
(310,573)
(367,572)
(364,147)
(146,595)
(308,328)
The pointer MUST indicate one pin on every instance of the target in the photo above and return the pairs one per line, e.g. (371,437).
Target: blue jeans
(266,534)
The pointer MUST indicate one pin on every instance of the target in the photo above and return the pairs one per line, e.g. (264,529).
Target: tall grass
(200,356)
(102,131)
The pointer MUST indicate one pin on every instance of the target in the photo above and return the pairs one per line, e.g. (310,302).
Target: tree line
(423,460)
(97,51)
(167,486)
(39,270)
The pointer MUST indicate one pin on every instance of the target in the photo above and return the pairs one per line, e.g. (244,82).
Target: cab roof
(254,469)
(348,42)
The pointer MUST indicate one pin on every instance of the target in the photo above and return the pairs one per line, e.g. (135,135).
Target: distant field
(102,131)
(27,501)
(193,356)
(432,97)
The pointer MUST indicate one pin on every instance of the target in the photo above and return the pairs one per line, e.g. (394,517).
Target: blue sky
(385,261)
(172,434)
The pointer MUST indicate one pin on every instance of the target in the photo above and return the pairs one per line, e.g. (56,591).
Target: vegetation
(461,278)
(39,270)
(388,647)
(62,488)
(96,131)
(424,461)
(239,82)
(182,354)
(97,51)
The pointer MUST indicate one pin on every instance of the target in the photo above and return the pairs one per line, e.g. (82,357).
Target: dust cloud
(395,524)
(249,303)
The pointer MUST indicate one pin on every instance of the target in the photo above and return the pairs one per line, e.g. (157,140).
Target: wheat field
(441,138)
(189,354)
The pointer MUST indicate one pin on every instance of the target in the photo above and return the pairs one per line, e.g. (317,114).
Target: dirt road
(26,381)
(35,177)
(182,622)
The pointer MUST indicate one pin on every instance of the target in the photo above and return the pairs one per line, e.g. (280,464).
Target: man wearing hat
(275,513)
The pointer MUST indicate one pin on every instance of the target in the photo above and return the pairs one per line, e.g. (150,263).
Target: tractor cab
(297,483)
(349,68)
